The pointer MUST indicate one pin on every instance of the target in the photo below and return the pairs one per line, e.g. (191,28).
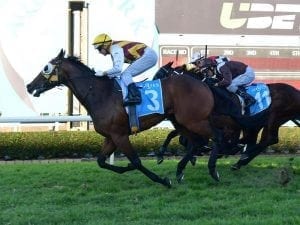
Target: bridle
(51,72)
(170,70)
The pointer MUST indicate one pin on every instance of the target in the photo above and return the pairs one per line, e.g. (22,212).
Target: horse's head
(48,78)
(203,72)
(58,71)
(164,71)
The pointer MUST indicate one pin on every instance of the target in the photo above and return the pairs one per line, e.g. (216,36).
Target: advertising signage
(271,59)
(271,64)
(249,17)
(179,55)
(263,58)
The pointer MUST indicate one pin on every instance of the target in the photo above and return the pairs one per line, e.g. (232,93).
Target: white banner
(33,32)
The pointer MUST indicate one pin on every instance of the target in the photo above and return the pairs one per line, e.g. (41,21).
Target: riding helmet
(102,40)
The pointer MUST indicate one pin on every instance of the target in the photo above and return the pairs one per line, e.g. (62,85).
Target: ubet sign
(260,16)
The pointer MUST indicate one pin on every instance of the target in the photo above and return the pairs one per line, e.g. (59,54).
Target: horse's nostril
(29,88)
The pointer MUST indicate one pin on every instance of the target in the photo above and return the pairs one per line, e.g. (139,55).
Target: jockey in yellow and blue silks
(138,55)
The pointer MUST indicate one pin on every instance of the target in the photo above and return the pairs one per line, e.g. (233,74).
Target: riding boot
(133,96)
(248,99)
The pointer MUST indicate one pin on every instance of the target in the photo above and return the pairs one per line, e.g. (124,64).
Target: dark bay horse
(285,106)
(104,103)
(199,145)
(163,72)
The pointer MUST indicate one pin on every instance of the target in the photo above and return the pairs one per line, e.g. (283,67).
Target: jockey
(194,63)
(234,76)
(196,59)
(138,55)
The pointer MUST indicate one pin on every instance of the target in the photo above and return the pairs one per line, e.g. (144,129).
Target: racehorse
(285,106)
(104,102)
(163,72)
(199,145)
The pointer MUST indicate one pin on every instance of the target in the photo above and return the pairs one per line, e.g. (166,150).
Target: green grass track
(81,193)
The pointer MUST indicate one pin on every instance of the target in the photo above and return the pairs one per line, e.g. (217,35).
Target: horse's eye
(48,68)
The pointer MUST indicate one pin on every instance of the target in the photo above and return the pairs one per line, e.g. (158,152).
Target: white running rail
(44,119)
(50,119)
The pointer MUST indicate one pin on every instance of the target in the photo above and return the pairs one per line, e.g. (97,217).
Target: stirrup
(134,101)
(249,102)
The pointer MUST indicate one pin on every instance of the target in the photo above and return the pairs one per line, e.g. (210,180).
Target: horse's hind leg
(107,149)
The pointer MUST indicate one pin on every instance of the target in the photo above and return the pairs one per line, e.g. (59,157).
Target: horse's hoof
(180,177)
(193,160)
(167,182)
(160,159)
(235,166)
(215,175)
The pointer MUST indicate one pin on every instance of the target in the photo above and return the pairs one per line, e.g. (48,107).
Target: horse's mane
(81,65)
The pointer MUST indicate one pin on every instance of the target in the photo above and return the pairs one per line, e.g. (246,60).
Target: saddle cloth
(152,99)
(261,93)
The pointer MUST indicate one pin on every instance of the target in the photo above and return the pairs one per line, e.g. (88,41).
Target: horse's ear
(61,54)
(169,64)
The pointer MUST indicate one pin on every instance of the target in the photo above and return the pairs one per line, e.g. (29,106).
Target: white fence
(17,122)
(49,119)
(45,119)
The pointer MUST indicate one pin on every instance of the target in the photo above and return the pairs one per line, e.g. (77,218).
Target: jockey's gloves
(100,73)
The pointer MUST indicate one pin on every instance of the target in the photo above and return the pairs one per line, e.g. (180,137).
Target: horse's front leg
(189,156)
(212,162)
(218,142)
(269,137)
(123,143)
(249,139)
(164,147)
(108,148)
